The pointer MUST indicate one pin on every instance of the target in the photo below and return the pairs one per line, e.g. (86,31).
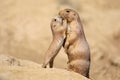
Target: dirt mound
(15,69)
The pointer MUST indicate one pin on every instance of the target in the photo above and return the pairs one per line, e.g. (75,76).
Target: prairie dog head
(58,26)
(69,15)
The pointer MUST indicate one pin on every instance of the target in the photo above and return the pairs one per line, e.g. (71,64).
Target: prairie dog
(76,45)
(58,28)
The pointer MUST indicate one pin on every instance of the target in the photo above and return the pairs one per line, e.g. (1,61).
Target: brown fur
(58,27)
(76,44)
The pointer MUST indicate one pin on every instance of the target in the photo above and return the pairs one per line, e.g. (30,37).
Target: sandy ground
(25,32)
(12,68)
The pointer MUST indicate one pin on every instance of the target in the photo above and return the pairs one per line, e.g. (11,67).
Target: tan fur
(76,45)
(58,27)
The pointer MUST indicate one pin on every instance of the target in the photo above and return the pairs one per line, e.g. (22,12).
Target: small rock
(8,60)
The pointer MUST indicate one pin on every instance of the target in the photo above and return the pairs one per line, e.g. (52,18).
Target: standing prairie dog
(76,45)
(58,27)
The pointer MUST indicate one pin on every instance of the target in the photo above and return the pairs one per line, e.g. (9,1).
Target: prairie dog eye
(67,11)
(55,19)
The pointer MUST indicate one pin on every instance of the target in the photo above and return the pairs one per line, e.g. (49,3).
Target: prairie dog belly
(78,50)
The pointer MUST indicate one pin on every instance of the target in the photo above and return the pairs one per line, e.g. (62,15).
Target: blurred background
(25,32)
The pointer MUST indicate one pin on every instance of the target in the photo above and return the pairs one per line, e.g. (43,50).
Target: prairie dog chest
(71,34)
(69,30)
(72,29)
